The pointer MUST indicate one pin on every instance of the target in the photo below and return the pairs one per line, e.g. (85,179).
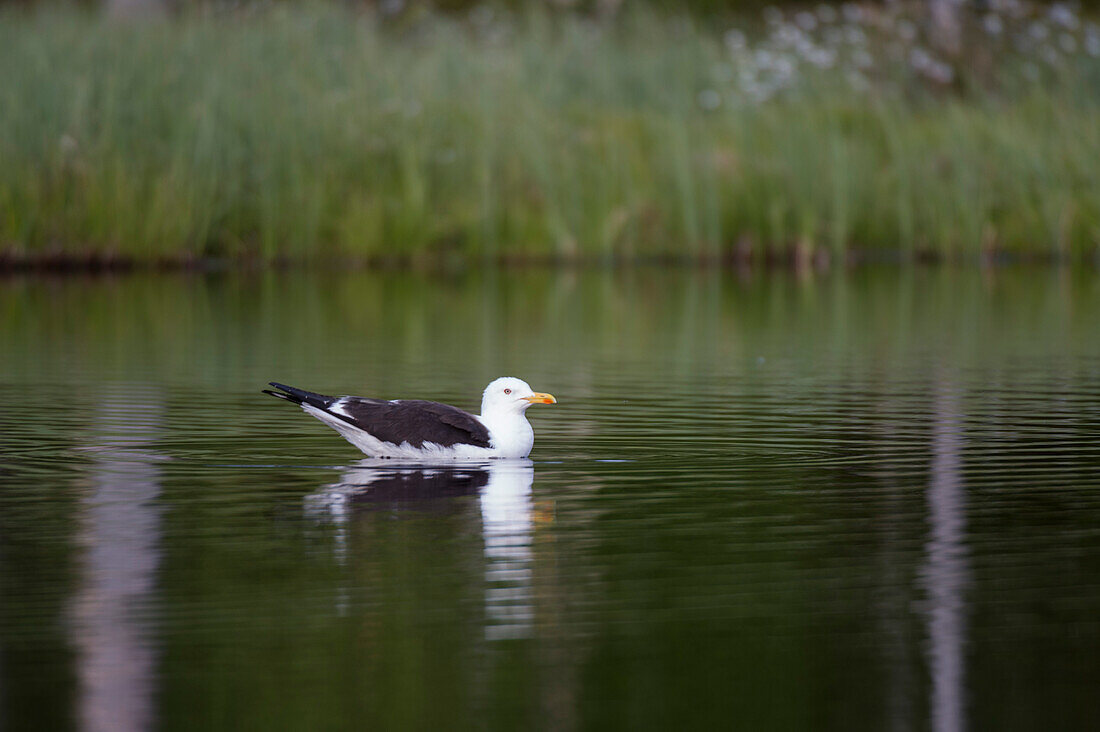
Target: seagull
(423,430)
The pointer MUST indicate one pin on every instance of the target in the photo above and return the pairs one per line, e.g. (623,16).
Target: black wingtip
(299,396)
(285,392)
(281,395)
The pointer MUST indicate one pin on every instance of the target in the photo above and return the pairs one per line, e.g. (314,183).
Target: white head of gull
(502,411)
(422,430)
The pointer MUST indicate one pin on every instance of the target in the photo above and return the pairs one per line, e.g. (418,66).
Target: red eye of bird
(507,391)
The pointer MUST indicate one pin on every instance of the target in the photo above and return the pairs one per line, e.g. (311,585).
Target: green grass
(318,134)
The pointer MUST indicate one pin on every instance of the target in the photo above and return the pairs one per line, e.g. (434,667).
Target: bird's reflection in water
(508,530)
(503,490)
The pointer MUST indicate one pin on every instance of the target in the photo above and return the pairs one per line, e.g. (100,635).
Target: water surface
(864,501)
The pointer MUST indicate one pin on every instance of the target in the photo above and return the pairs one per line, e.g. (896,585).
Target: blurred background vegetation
(448,133)
(602,7)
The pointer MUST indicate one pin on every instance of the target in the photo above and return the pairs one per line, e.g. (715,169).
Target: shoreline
(791,259)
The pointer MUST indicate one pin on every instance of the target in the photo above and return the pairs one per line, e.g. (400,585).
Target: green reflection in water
(848,502)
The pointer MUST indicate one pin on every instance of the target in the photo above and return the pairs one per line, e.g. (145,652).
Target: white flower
(391,7)
(993,24)
(854,35)
(68,144)
(1092,45)
(734,39)
(1037,31)
(709,100)
(760,92)
(822,58)
(1063,15)
(920,59)
(805,20)
(787,35)
(941,72)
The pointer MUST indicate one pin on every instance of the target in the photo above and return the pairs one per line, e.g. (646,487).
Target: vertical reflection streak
(507,525)
(119,527)
(946,569)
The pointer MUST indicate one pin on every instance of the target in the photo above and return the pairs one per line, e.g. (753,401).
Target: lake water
(858,501)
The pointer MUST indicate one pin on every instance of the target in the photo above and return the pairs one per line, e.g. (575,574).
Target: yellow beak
(539,398)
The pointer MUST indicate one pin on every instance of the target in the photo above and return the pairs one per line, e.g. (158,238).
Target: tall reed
(322,134)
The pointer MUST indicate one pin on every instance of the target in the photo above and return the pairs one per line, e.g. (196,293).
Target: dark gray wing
(411,420)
